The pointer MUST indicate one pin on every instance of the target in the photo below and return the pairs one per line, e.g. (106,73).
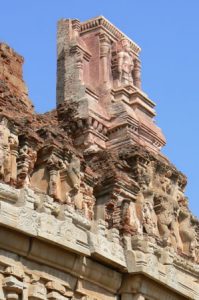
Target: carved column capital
(105,45)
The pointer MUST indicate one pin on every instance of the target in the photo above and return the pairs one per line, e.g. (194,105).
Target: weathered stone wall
(11,79)
(89,207)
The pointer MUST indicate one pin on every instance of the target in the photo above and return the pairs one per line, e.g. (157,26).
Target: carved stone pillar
(79,65)
(137,73)
(79,293)
(80,56)
(78,52)
(13,157)
(105,46)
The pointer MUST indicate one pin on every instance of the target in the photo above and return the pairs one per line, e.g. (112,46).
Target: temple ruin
(90,209)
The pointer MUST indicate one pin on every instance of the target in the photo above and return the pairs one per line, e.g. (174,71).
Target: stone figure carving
(26,161)
(175,234)
(167,209)
(88,204)
(130,220)
(166,182)
(123,63)
(8,153)
(4,134)
(54,164)
(149,218)
(74,196)
(6,165)
(88,200)
(145,198)
(78,195)
(73,171)
(186,228)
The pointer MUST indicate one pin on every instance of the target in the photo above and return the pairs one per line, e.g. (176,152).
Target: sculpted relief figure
(54,164)
(131,222)
(13,153)
(161,206)
(186,228)
(145,199)
(164,204)
(124,63)
(72,167)
(167,209)
(88,204)
(66,183)
(26,161)
(73,170)
(8,153)
(149,218)
(165,182)
(88,200)
(4,149)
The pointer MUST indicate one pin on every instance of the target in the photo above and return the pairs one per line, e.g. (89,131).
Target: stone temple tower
(99,68)
(90,209)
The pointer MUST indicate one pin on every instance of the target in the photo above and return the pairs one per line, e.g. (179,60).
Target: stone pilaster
(137,73)
(105,47)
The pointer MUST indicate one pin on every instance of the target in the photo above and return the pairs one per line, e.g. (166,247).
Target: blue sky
(168,33)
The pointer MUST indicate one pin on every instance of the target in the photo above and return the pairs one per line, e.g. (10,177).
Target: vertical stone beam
(105,46)
(137,73)
(13,144)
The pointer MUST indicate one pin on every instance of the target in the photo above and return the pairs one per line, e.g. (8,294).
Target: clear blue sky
(168,33)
